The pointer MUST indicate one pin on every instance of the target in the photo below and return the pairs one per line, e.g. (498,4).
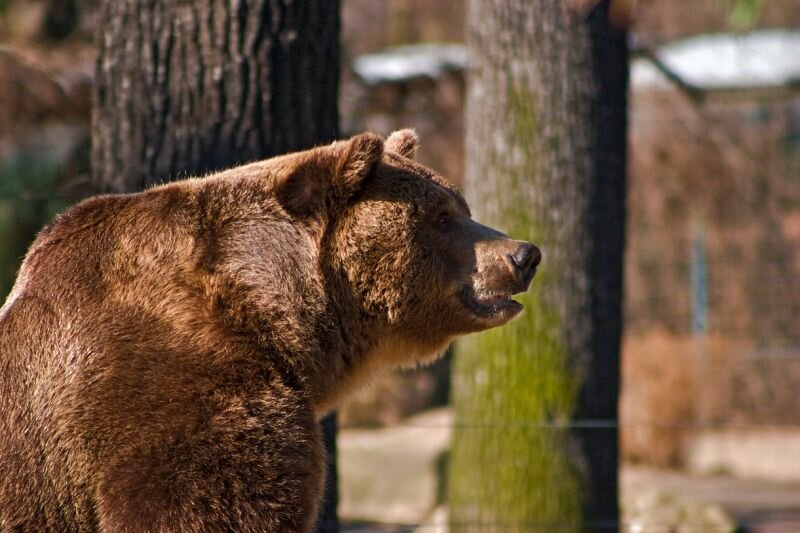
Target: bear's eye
(443,218)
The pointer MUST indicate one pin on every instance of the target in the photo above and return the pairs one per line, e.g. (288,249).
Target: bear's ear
(356,158)
(328,175)
(404,142)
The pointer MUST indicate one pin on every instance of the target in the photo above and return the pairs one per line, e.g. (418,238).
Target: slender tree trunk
(535,444)
(184,88)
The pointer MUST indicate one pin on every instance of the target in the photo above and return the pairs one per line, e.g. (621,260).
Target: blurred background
(710,402)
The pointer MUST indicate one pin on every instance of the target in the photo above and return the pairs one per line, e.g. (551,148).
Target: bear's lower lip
(498,305)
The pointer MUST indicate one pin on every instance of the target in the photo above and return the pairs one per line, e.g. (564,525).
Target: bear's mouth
(491,304)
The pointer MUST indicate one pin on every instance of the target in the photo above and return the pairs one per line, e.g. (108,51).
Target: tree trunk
(185,88)
(535,444)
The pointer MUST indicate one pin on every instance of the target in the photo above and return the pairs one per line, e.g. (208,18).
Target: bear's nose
(526,257)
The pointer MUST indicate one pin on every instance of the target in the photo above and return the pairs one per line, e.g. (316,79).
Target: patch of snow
(403,63)
(767,58)
(760,59)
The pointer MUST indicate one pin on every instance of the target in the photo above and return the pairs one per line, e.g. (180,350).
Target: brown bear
(165,356)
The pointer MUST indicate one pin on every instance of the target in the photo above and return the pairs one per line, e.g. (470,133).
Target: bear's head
(402,240)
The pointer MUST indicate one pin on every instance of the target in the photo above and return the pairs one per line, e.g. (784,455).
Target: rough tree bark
(184,88)
(536,443)
(189,87)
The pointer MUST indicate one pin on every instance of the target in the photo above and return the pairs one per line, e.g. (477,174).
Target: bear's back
(88,272)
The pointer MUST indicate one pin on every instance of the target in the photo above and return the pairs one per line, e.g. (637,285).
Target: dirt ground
(390,480)
(754,506)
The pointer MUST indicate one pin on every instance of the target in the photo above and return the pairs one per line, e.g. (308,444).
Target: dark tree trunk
(536,442)
(184,88)
(328,520)
(189,87)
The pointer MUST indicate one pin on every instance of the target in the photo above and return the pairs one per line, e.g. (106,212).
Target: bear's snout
(504,267)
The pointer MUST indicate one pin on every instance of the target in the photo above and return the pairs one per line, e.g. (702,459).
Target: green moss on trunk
(536,154)
(510,467)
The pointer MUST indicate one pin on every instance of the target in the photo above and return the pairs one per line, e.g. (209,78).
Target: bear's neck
(348,339)
(354,345)
(365,347)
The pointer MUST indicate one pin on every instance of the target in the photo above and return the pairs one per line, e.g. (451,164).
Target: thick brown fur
(165,356)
